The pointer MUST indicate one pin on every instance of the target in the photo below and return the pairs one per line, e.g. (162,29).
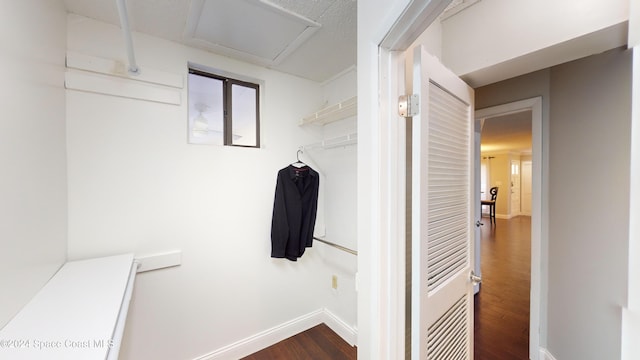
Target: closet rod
(126,30)
(337,246)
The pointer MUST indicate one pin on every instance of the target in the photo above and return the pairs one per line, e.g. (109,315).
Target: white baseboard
(283,331)
(546,355)
(503,216)
(346,332)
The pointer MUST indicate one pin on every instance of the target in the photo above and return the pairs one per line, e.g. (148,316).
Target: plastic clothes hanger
(298,163)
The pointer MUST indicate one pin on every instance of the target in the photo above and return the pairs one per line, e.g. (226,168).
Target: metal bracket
(475,279)
(409,105)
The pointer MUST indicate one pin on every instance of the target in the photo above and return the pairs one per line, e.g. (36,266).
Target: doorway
(384,304)
(505,145)
(534,105)
(502,306)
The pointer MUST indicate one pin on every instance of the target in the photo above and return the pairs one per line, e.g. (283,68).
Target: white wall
(431,40)
(33,185)
(339,169)
(495,32)
(136,185)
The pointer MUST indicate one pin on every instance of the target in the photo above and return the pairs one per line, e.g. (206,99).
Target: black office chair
(491,203)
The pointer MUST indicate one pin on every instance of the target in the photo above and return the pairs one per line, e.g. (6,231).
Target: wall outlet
(334,282)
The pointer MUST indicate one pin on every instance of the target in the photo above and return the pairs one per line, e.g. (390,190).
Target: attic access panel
(256,30)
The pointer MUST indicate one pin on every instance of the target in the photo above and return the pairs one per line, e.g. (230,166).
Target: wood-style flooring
(502,305)
(317,343)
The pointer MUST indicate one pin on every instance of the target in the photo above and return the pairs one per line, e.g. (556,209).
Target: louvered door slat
(441,230)
(446,338)
(447,171)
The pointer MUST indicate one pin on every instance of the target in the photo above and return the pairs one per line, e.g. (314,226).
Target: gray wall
(589,205)
(33,189)
(586,144)
(519,88)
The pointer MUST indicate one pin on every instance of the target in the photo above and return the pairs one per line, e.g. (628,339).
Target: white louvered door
(442,243)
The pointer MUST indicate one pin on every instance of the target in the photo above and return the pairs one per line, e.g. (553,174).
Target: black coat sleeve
(279,223)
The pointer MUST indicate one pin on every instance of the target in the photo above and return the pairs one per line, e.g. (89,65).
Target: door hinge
(475,279)
(409,105)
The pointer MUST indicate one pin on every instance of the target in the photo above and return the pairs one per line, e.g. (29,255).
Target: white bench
(79,314)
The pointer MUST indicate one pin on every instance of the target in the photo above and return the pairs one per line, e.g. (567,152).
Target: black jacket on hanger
(294,211)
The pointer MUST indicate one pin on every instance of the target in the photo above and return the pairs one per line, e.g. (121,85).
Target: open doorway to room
(502,307)
(505,149)
(507,253)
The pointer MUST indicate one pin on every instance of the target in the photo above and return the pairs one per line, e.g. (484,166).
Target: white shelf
(78,314)
(339,111)
(344,140)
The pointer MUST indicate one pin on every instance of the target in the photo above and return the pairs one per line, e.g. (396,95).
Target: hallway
(502,305)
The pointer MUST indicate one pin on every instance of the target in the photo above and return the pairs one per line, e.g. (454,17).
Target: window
(223,111)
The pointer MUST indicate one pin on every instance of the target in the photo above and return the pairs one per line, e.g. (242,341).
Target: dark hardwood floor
(317,343)
(502,305)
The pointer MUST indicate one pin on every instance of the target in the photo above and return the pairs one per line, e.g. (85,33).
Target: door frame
(381,301)
(538,167)
(530,180)
(381,296)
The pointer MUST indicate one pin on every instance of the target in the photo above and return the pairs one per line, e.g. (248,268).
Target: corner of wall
(546,355)
(283,331)
(34,181)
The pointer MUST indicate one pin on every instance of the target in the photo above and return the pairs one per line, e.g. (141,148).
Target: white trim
(546,355)
(114,352)
(274,335)
(634,189)
(501,216)
(454,9)
(538,198)
(346,332)
(339,75)
(266,338)
(381,225)
(117,68)
(396,181)
(190,35)
(120,87)
(631,313)
(415,19)
(159,261)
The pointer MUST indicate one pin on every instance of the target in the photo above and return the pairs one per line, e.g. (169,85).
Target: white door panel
(515,188)
(526,187)
(443,212)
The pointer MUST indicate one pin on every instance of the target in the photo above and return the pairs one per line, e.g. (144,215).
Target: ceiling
(313,39)
(507,133)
